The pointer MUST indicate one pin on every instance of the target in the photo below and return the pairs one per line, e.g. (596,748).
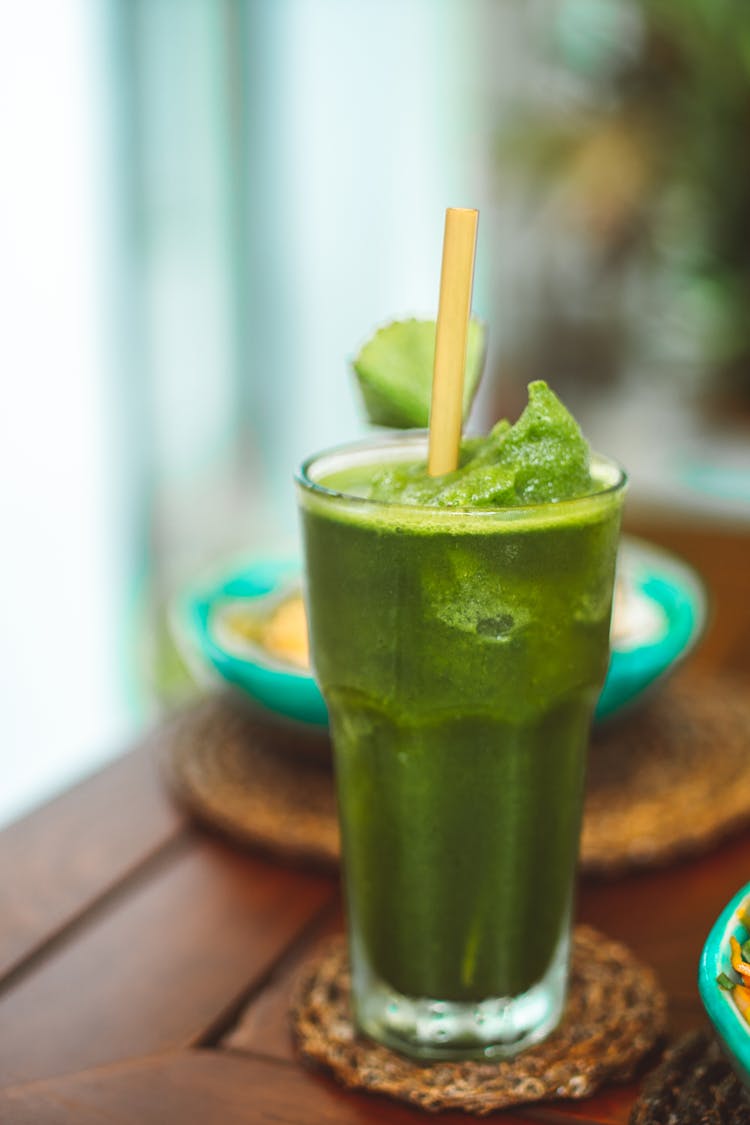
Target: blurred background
(207,205)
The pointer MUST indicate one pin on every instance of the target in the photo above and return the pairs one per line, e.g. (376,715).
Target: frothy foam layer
(341,488)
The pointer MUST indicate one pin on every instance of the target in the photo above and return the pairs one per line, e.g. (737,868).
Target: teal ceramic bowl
(210,654)
(660,604)
(730,1025)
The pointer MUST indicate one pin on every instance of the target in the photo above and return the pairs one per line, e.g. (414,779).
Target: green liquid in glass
(460,748)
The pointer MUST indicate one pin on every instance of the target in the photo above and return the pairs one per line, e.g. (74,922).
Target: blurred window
(207,206)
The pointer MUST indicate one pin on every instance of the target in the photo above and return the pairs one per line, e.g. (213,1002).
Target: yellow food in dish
(285,633)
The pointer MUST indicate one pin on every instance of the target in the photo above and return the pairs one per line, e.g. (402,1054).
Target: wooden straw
(454,309)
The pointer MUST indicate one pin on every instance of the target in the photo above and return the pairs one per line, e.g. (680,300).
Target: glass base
(442,1030)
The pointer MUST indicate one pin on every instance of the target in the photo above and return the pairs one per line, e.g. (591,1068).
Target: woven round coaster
(693,1085)
(615,1014)
(671,779)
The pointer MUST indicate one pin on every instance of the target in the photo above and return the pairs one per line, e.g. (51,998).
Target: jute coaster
(693,1085)
(615,1014)
(673,778)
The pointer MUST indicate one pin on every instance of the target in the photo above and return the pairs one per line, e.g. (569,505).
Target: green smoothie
(459,629)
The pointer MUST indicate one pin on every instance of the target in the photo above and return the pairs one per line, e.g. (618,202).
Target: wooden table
(129,941)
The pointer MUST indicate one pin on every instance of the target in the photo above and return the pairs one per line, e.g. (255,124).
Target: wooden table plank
(262,1028)
(64,856)
(207,1087)
(665,915)
(612,1106)
(159,966)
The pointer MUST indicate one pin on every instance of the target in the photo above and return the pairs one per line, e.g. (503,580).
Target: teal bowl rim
(681,593)
(729,1023)
(293,693)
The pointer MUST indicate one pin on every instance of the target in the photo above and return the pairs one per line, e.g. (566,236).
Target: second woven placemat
(671,779)
(237,772)
(693,1085)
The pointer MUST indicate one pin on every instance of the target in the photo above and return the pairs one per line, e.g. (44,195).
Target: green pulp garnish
(541,459)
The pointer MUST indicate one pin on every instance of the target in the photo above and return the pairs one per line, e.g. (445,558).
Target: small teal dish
(276,685)
(661,597)
(729,1023)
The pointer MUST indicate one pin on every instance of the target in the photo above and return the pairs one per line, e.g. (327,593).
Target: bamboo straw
(454,309)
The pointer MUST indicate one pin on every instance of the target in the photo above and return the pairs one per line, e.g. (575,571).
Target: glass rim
(419,438)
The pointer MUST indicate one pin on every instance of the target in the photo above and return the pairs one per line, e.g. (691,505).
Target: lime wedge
(394,370)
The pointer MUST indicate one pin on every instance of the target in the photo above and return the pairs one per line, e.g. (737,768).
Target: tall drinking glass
(460,653)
